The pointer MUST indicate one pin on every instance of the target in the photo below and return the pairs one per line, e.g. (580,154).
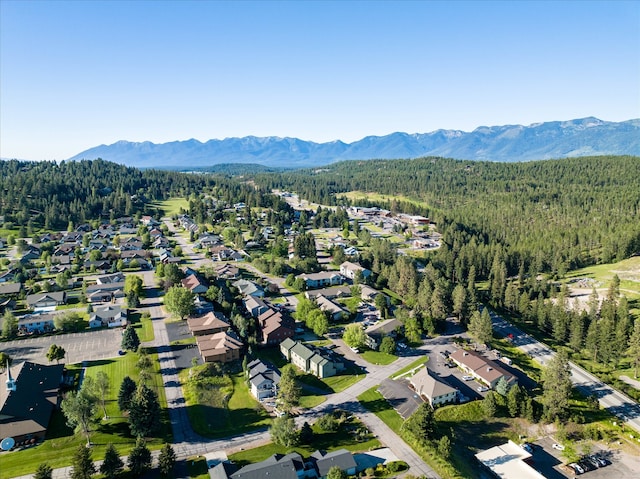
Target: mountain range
(539,141)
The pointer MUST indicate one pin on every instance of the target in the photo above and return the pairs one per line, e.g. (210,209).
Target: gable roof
(426,385)
(326,460)
(274,467)
(210,321)
(27,410)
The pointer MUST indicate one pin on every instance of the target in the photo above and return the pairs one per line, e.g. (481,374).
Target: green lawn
(144,327)
(172,206)
(377,357)
(61,442)
(222,406)
(418,362)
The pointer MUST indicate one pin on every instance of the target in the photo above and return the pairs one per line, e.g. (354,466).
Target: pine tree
(112,464)
(144,412)
(127,390)
(139,460)
(130,339)
(557,387)
(82,464)
(44,471)
(166,460)
(634,347)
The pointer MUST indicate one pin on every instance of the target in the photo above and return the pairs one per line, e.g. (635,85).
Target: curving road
(617,403)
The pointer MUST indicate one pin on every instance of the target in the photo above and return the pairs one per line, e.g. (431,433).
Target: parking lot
(182,354)
(85,346)
(397,392)
(552,464)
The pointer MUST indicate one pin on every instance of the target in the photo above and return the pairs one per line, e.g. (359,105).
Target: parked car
(527,447)
(482,389)
(467,378)
(558,447)
(355,350)
(593,460)
(577,468)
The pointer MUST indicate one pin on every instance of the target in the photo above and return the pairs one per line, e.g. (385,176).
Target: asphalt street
(614,401)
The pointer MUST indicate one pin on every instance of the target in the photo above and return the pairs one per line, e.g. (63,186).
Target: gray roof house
(341,458)
(374,334)
(263,379)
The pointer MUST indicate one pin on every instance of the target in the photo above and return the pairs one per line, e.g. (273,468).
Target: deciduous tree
(288,395)
(179,301)
(56,353)
(284,432)
(80,410)
(354,335)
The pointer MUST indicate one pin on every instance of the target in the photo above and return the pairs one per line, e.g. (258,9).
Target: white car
(355,350)
(557,446)
(576,467)
(467,378)
(482,389)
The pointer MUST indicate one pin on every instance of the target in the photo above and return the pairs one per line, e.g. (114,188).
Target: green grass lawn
(60,443)
(222,406)
(144,327)
(172,206)
(378,357)
(418,362)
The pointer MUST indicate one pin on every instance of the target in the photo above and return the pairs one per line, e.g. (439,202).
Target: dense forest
(50,195)
(541,216)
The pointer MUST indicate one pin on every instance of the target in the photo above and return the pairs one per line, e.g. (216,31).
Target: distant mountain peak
(537,141)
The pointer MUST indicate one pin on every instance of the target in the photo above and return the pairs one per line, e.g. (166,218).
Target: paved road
(609,398)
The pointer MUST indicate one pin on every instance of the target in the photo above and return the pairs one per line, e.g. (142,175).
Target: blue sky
(77,74)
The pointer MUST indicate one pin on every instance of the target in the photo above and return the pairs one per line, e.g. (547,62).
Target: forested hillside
(545,216)
(49,195)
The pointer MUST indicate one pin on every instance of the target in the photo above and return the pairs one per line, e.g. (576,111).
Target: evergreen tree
(489,405)
(139,460)
(421,424)
(130,339)
(166,460)
(634,347)
(112,465)
(481,327)
(9,325)
(514,399)
(82,466)
(556,380)
(44,471)
(144,412)
(444,447)
(306,434)
(125,395)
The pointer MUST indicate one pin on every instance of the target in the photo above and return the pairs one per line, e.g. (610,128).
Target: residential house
(221,347)
(28,400)
(195,284)
(42,301)
(481,368)
(278,466)
(255,306)
(334,310)
(8,276)
(367,293)
(374,334)
(211,323)
(275,327)
(224,253)
(111,278)
(319,362)
(36,323)
(249,288)
(227,271)
(351,270)
(329,293)
(321,279)
(110,316)
(10,290)
(263,379)
(435,392)
(101,293)
(343,459)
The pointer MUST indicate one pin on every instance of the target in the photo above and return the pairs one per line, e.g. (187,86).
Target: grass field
(61,442)
(172,205)
(355,195)
(222,406)
(377,357)
(418,362)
